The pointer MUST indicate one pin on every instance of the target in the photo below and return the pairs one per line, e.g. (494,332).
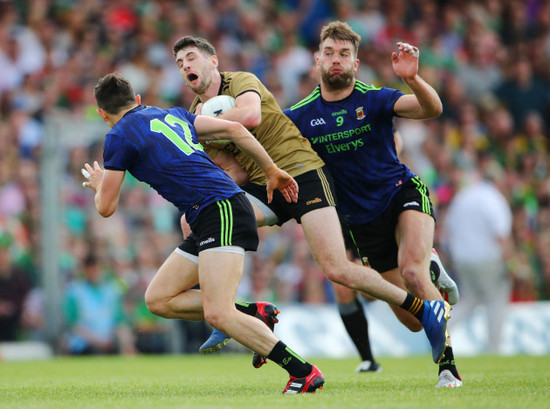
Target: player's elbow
(236,130)
(252,123)
(106,210)
(252,120)
(434,111)
(437,110)
(105,213)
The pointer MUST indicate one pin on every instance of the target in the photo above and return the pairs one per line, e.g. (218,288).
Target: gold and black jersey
(276,132)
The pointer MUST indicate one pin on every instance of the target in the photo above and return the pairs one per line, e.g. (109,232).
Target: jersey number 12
(185,143)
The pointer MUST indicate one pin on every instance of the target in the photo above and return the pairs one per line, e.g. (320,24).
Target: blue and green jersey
(354,136)
(160,147)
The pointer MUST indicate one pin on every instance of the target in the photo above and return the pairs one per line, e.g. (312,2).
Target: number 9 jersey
(354,136)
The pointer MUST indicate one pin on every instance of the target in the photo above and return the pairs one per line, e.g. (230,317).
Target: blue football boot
(434,320)
(267,313)
(216,341)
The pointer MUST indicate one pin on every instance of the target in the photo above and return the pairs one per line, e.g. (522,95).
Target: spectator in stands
(14,287)
(94,313)
(522,92)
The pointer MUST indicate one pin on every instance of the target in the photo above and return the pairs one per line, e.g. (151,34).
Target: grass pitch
(230,381)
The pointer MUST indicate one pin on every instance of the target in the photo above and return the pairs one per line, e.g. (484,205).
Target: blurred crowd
(489,60)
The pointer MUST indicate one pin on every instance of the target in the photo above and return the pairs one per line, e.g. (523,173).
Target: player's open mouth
(192,77)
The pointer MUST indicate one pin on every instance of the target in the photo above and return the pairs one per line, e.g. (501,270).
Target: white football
(217,105)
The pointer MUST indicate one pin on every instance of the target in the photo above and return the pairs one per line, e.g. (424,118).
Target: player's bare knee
(214,316)
(155,305)
(413,279)
(158,308)
(337,274)
(330,273)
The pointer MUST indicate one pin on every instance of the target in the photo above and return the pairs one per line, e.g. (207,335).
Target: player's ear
(138,99)
(214,60)
(317,59)
(102,114)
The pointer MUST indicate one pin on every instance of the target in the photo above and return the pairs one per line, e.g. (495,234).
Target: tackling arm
(247,111)
(213,128)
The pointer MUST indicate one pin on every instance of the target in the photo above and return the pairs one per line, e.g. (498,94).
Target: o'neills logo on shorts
(208,240)
(316,200)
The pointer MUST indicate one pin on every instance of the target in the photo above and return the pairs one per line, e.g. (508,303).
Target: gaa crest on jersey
(360,112)
(317,121)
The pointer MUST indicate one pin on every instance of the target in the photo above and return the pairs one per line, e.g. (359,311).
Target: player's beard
(338,81)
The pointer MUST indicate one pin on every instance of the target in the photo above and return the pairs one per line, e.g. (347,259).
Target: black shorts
(350,245)
(229,222)
(374,242)
(316,190)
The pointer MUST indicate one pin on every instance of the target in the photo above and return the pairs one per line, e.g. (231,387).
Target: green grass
(229,381)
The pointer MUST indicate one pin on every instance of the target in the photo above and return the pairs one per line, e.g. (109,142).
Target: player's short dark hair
(190,41)
(339,30)
(113,93)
